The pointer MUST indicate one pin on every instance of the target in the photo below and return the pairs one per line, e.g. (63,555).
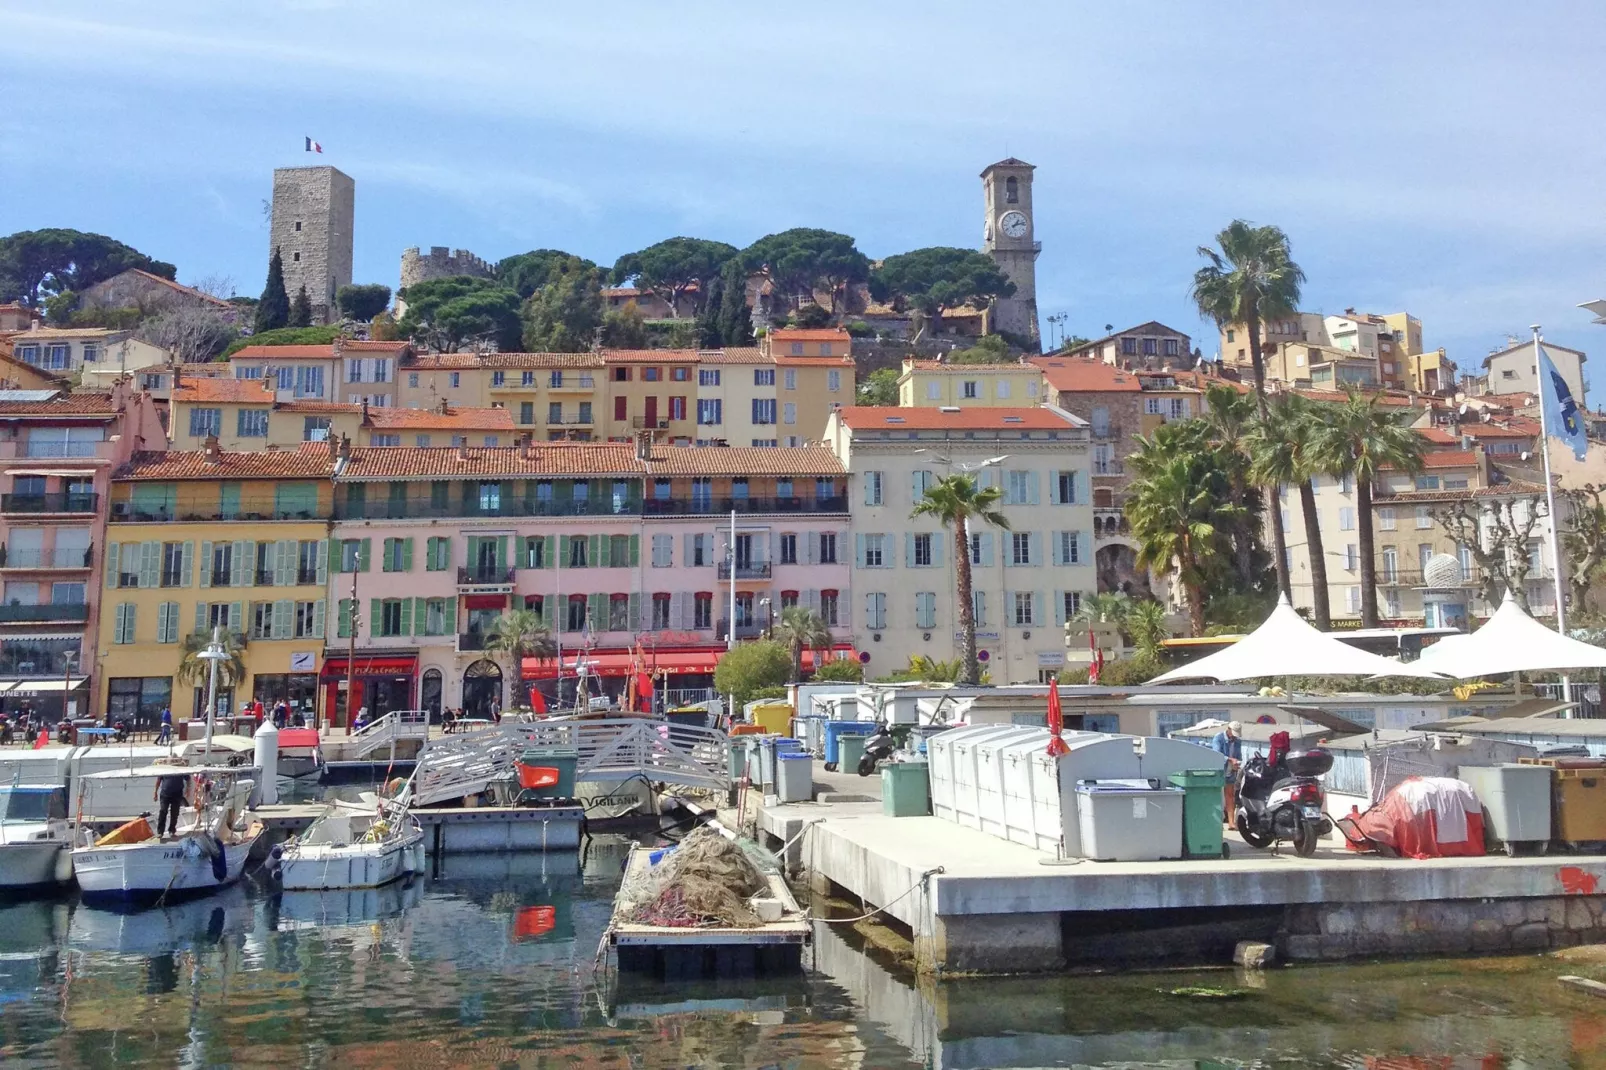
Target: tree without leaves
(273,309)
(35,264)
(191,333)
(526,273)
(362,301)
(1583,537)
(803,260)
(518,634)
(1496,533)
(1359,438)
(930,281)
(1251,279)
(801,629)
(562,316)
(956,502)
(674,268)
(443,314)
(301,309)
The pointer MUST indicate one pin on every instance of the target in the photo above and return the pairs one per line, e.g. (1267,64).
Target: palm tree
(1283,446)
(801,629)
(1106,608)
(1229,416)
(955,501)
(519,634)
(1146,621)
(1251,279)
(1181,509)
(1359,438)
(195,671)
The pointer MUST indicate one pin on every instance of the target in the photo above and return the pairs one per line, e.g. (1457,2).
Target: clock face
(1013,224)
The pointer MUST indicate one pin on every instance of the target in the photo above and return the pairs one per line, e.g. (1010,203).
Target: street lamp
(1597,308)
(769,618)
(213,654)
(966,466)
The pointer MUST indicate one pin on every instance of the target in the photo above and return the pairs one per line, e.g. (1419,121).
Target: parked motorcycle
(1280,798)
(878,747)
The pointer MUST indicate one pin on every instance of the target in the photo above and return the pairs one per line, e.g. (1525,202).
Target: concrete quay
(973,903)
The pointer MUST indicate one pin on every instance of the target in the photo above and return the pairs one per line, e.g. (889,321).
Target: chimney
(176,373)
(334,448)
(270,385)
(338,345)
(462,452)
(526,447)
(644,446)
(212,450)
(345,448)
(443,408)
(365,412)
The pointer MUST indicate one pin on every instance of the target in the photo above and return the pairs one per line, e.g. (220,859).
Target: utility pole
(351,645)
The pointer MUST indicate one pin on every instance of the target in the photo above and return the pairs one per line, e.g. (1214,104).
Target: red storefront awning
(623,663)
(386,665)
(485,601)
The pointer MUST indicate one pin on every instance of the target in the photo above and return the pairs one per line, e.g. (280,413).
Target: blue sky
(1444,158)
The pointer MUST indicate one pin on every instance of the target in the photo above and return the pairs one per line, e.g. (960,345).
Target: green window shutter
(363,550)
(284,562)
(599,612)
(186,562)
(376,616)
(385,555)
(594,552)
(113,563)
(283,619)
(236,616)
(245,553)
(421,616)
(407,555)
(501,553)
(150,564)
(407,616)
(119,623)
(343,619)
(322,557)
(550,553)
(472,550)
(319,610)
(161,622)
(229,500)
(451,616)
(200,618)
(331,558)
(635,613)
(549,606)
(635,550)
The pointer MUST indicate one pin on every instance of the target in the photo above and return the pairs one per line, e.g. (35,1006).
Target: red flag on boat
(1056,721)
(42,738)
(644,688)
(537,700)
(1096,665)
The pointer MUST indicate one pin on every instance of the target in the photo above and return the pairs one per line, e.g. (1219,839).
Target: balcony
(1109,523)
(45,558)
(578,383)
(49,503)
(575,420)
(1109,468)
(696,506)
(1412,577)
(484,577)
(78,612)
(1108,433)
(470,641)
(743,631)
(746,570)
(126,512)
(62,450)
(419,509)
(642,423)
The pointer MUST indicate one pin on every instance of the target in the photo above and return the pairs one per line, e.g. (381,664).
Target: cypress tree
(735,318)
(301,309)
(273,311)
(709,333)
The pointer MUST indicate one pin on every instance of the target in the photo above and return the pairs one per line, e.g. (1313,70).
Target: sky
(1442,158)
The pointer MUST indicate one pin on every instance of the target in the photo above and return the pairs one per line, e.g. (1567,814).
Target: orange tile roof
(77,404)
(810,334)
(223,391)
(1075,375)
(650,356)
(587,459)
(454,419)
(1449,459)
(814,362)
(319,408)
(1439,436)
(189,291)
(981,418)
(944,366)
(1395,400)
(744,461)
(1510,401)
(1495,431)
(443,362)
(734,355)
(310,460)
(474,361)
(37,332)
(352,345)
(323,352)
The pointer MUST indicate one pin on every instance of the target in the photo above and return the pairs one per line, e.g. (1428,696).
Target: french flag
(313,146)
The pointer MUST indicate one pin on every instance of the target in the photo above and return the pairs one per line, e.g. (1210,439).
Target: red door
(650,416)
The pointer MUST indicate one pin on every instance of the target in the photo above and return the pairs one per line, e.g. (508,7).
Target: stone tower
(1008,237)
(313,213)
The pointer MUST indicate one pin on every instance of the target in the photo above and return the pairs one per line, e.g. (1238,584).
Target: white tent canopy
(1511,641)
(1286,645)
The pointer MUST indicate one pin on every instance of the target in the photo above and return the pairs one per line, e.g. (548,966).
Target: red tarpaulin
(298,737)
(1422,817)
(485,601)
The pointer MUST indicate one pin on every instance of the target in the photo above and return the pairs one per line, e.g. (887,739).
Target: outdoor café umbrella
(1511,641)
(1286,645)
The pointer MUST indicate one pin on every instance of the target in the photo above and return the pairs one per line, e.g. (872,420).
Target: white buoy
(267,761)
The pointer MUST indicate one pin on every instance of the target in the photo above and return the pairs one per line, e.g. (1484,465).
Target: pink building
(617,550)
(57,455)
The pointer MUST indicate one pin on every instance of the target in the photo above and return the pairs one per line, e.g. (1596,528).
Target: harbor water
(489,963)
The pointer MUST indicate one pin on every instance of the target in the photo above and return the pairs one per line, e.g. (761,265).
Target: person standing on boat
(170,793)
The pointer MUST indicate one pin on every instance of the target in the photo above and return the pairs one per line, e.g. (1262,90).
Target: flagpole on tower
(1541,382)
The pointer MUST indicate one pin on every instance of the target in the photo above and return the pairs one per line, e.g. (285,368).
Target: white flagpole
(1550,503)
(730,635)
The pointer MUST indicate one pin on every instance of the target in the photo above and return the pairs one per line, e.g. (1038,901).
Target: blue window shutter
(1056,542)
(1034,543)
(1059,607)
(908,549)
(1032,489)
(936,549)
(987,549)
(858,542)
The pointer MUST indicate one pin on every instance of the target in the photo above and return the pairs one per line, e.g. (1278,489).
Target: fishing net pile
(704,882)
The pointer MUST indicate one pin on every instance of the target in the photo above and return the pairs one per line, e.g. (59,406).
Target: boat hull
(35,864)
(320,867)
(141,874)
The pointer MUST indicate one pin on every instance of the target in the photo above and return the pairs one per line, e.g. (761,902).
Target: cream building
(1510,370)
(930,383)
(100,350)
(1027,580)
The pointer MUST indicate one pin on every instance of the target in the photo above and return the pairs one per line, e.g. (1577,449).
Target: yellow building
(553,396)
(650,389)
(1430,373)
(927,383)
(207,538)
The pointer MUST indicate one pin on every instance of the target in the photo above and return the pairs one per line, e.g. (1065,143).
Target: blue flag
(1562,418)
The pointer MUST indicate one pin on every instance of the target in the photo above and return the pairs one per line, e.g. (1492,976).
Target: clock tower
(1008,237)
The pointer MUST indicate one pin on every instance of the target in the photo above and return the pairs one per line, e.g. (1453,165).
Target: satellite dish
(1526,455)
(1463,408)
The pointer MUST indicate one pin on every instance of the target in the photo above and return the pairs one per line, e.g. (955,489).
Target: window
(1352,557)
(978,607)
(434,622)
(204,422)
(921,557)
(833,381)
(1070,547)
(1065,485)
(788,413)
(577,551)
(969,389)
(702,611)
(351,556)
(1020,487)
(175,564)
(763,376)
(872,488)
(260,623)
(1024,608)
(1104,463)
(308,562)
(1427,482)
(412,380)
(1346,519)
(791,379)
(1424,517)
(222,565)
(391,617)
(585,412)
(1455,484)
(922,482)
(827,547)
(167,622)
(1508,373)
(763,410)
(535,551)
(526,412)
(308,382)
(554,412)
(1170,347)
(1179,408)
(1424,551)
(874,551)
(933,391)
(1070,604)
(660,612)
(651,375)
(619,613)
(621,375)
(788,548)
(875,611)
(384,440)
(925,609)
(797,349)
(315,429)
(1352,599)
(455,379)
(1129,347)
(1151,347)
(1020,547)
(708,377)
(710,411)
(123,627)
(1002,388)
(1385,518)
(398,555)
(1011,190)
(421,441)
(677,408)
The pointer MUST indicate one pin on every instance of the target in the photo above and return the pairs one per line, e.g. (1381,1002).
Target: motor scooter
(878,747)
(1280,798)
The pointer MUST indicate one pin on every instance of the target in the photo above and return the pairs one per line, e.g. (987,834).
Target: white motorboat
(35,838)
(134,867)
(352,846)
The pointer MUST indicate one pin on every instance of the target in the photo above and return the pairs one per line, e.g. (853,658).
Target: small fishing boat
(132,866)
(35,838)
(351,846)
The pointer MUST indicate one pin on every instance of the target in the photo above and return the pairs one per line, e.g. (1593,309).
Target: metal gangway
(611,752)
(387,731)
